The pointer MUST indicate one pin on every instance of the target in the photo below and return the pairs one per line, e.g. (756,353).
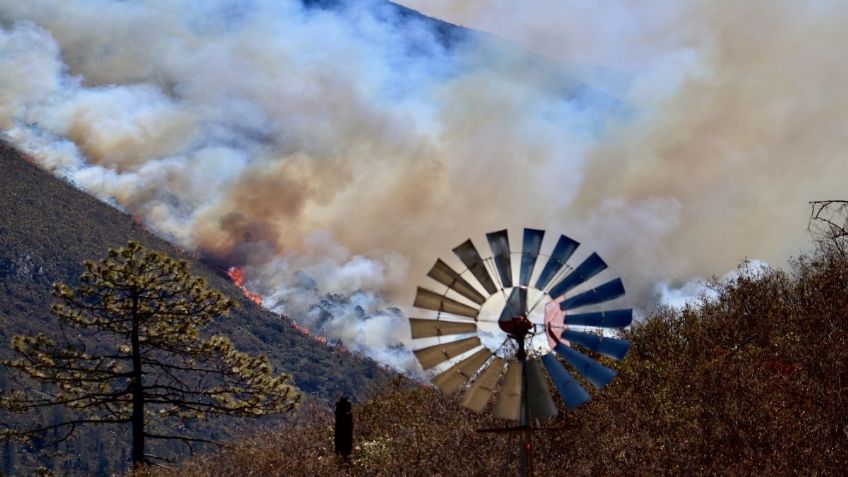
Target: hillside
(47,229)
(752,382)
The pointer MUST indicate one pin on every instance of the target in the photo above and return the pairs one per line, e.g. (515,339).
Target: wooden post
(344,428)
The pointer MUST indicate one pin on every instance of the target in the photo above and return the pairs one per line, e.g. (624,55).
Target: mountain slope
(48,228)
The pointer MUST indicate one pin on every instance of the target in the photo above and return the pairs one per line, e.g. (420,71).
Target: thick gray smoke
(333,154)
(740,112)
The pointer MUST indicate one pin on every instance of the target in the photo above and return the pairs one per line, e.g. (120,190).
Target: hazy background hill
(48,228)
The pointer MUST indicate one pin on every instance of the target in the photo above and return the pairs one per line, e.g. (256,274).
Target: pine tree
(144,310)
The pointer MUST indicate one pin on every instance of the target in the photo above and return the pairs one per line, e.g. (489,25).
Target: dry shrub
(752,382)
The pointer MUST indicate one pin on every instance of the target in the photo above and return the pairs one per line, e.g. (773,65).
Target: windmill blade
(597,374)
(468,255)
(444,274)
(563,250)
(606,292)
(499,243)
(433,355)
(571,392)
(529,254)
(481,390)
(602,319)
(590,267)
(423,328)
(454,377)
(508,402)
(540,403)
(610,347)
(430,300)
(516,305)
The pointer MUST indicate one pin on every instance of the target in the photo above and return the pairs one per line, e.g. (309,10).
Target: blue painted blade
(606,292)
(597,374)
(516,304)
(571,392)
(563,250)
(529,254)
(602,319)
(499,243)
(469,256)
(611,347)
(590,267)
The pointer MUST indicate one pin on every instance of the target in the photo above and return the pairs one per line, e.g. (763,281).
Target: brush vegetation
(751,381)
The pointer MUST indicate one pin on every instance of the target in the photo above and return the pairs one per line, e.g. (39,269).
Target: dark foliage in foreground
(752,382)
(144,361)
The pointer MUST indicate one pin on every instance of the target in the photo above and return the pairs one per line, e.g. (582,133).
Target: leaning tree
(146,360)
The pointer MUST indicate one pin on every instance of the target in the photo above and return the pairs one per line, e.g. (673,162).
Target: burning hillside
(330,151)
(236,274)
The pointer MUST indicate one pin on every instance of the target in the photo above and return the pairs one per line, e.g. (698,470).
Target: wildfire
(304,330)
(236,274)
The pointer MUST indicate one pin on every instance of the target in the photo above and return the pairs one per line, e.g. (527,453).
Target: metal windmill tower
(488,338)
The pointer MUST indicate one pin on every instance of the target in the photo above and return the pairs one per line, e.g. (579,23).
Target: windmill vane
(514,377)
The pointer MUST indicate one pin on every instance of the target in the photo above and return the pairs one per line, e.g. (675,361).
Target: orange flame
(236,274)
(304,330)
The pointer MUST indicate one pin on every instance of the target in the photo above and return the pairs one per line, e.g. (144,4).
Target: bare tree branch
(829,224)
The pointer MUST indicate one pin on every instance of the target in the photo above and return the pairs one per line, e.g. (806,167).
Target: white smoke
(696,291)
(333,154)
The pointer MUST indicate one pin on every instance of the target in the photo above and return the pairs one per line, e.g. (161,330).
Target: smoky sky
(340,151)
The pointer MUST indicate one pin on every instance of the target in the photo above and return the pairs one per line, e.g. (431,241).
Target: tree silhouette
(146,361)
(829,225)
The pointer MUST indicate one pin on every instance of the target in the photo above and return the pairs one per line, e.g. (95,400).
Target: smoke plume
(333,154)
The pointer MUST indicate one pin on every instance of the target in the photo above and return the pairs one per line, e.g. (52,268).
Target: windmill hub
(517,327)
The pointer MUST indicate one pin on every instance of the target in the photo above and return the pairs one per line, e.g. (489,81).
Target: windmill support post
(344,429)
(525,462)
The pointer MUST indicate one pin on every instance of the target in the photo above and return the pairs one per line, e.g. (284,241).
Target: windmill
(487,337)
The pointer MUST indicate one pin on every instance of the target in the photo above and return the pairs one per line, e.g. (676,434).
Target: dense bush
(750,382)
